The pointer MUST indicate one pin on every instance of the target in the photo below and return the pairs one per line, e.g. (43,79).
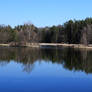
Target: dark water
(45,70)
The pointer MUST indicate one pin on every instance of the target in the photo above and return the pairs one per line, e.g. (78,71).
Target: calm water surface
(45,70)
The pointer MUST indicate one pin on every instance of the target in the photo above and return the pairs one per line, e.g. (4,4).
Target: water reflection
(71,59)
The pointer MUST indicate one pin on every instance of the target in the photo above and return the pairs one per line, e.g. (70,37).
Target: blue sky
(43,12)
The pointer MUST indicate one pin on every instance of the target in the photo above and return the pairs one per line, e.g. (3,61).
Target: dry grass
(55,44)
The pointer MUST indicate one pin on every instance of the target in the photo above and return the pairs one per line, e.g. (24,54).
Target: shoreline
(51,44)
(79,46)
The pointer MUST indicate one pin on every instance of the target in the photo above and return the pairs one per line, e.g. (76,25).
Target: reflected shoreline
(69,58)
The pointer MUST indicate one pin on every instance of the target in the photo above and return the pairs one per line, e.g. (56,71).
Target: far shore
(52,44)
(80,46)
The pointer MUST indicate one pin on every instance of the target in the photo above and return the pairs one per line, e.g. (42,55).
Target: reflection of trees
(25,56)
(28,68)
(78,60)
(72,59)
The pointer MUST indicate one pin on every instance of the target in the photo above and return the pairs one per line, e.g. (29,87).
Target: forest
(71,32)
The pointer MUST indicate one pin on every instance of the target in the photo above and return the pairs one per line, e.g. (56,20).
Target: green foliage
(72,32)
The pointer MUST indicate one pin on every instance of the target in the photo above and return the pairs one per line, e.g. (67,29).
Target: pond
(45,70)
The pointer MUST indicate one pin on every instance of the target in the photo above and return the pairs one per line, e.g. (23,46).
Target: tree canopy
(71,32)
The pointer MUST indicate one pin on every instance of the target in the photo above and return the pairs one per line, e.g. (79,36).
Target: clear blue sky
(43,12)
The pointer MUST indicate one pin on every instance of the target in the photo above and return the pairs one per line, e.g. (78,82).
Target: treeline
(71,32)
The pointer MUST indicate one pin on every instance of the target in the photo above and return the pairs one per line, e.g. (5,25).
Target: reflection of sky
(45,77)
(41,69)
(56,70)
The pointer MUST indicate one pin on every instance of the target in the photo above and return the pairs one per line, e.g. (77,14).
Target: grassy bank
(5,45)
(51,44)
(67,45)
